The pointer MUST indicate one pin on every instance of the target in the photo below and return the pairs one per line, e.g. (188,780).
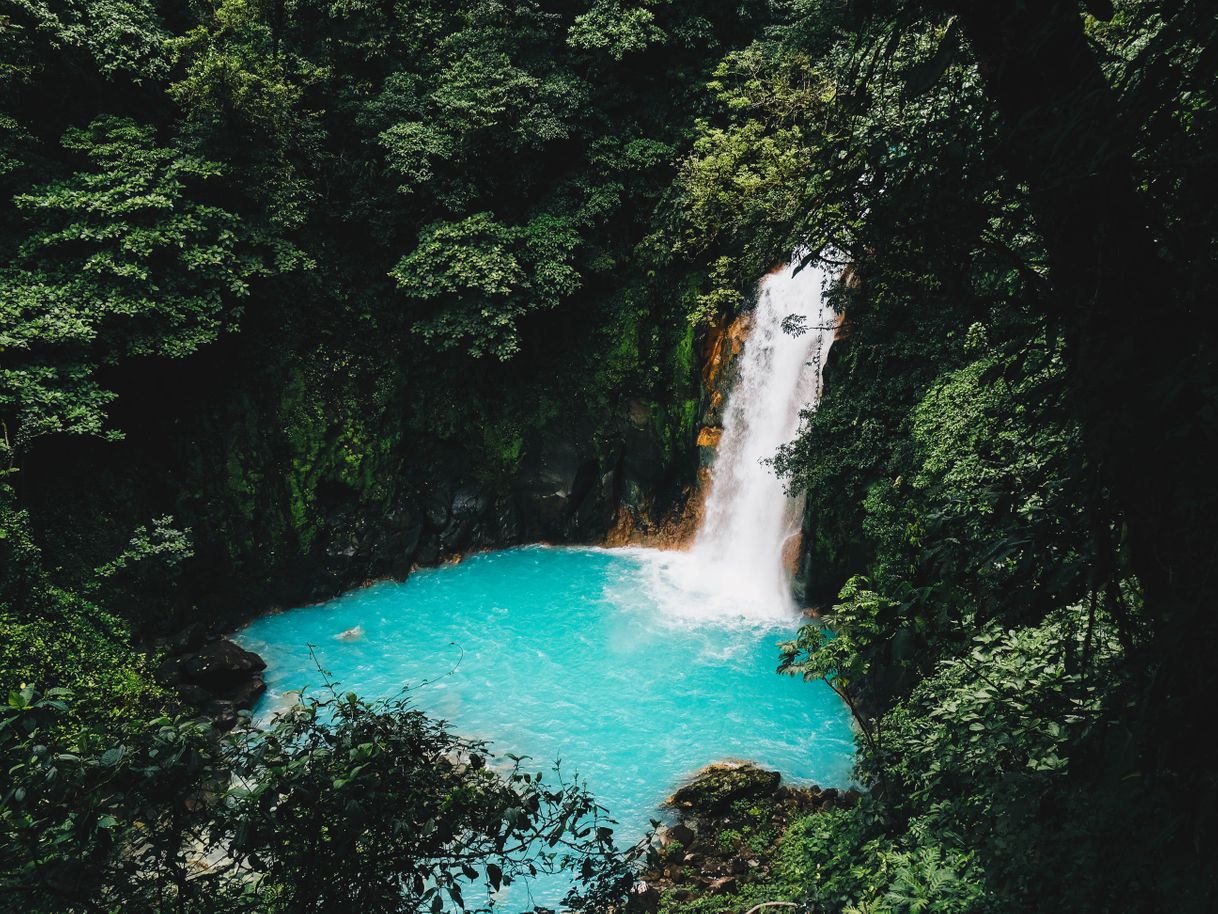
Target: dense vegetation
(276,269)
(293,275)
(1009,466)
(285,285)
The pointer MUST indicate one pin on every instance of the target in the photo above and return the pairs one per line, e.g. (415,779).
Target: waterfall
(735,565)
(748,515)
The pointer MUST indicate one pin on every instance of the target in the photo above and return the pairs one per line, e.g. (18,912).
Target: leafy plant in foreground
(336,805)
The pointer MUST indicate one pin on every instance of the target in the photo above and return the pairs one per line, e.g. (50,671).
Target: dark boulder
(679,833)
(644,896)
(171,671)
(221,666)
(192,695)
(190,638)
(246,695)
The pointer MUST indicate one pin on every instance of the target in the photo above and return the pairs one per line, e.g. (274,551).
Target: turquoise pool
(611,660)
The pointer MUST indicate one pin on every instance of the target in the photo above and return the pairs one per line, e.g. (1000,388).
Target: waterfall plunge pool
(635,667)
(610,659)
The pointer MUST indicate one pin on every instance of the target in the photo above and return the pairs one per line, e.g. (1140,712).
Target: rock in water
(717,786)
(246,695)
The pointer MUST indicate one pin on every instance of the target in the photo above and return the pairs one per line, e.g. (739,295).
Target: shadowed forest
(301,294)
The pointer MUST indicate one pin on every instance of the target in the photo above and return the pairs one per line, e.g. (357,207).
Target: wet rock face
(557,494)
(354,542)
(273,529)
(724,342)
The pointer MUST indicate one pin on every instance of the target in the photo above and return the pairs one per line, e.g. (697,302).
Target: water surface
(606,659)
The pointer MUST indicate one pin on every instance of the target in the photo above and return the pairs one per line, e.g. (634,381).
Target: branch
(771,904)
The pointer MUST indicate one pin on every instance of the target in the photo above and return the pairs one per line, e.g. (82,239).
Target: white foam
(671,589)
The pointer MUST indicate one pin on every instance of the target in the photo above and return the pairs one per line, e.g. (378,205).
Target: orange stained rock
(790,552)
(723,343)
(738,332)
(842,328)
(712,358)
(676,531)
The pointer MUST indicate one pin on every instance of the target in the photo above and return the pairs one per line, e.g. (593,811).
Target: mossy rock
(716,787)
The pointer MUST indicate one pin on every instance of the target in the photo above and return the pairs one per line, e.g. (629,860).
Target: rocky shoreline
(730,817)
(211,674)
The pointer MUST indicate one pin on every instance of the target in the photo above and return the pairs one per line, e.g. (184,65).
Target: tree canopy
(282,279)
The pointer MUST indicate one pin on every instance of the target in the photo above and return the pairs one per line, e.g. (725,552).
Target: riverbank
(738,838)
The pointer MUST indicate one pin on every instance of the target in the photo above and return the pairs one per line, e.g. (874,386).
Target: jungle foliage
(263,264)
(266,261)
(337,805)
(257,251)
(1006,476)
